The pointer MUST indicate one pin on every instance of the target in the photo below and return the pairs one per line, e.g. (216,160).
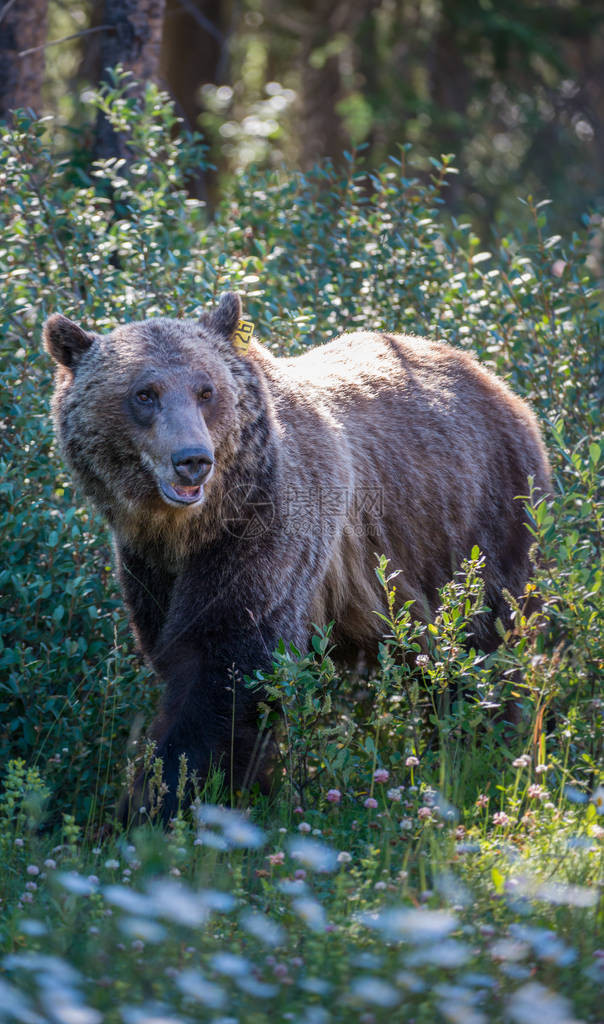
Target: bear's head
(150,414)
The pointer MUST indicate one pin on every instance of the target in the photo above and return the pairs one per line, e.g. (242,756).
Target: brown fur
(440,448)
(448,446)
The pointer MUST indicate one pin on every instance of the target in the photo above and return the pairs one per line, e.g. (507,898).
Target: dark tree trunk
(22,27)
(451,89)
(132,39)
(321,129)
(323,85)
(194,52)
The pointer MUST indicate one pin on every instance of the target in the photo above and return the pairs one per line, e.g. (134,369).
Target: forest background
(514,89)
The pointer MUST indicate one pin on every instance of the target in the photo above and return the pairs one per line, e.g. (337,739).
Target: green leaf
(498,881)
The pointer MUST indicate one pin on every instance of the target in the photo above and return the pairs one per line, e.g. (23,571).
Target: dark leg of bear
(217,629)
(146,590)
(208,714)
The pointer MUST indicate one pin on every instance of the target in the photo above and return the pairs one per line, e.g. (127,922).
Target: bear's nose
(192,465)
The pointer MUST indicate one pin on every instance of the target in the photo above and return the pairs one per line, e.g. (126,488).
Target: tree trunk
(22,27)
(134,36)
(323,75)
(132,39)
(194,52)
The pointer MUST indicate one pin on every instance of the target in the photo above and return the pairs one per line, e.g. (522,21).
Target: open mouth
(180,494)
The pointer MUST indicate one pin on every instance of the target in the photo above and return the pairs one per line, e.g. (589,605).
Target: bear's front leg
(208,715)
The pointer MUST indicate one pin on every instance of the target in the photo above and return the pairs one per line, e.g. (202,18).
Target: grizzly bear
(248,496)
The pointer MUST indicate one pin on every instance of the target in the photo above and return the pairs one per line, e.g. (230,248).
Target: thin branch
(7,8)
(65,39)
(201,19)
(65,5)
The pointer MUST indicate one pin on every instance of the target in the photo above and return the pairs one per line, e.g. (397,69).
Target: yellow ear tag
(243,336)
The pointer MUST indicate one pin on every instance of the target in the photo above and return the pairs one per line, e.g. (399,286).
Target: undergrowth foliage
(411,774)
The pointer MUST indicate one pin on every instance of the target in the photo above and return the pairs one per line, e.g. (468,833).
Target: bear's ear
(65,341)
(225,318)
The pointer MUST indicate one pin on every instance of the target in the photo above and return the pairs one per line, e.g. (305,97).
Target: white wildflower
(567,895)
(53,967)
(65,1007)
(241,834)
(76,883)
(192,983)
(148,1013)
(411,924)
(374,991)
(292,886)
(211,840)
(30,926)
(262,928)
(311,912)
(178,903)
(258,989)
(237,830)
(576,796)
(231,964)
(509,950)
(316,986)
(312,854)
(126,899)
(534,1002)
(142,928)
(546,944)
(216,899)
(410,981)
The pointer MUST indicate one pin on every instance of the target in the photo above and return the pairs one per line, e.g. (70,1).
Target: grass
(352,909)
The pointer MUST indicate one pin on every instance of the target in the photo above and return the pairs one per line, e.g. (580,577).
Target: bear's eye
(205,395)
(145,397)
